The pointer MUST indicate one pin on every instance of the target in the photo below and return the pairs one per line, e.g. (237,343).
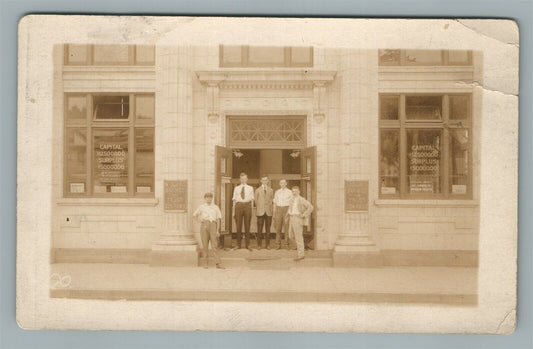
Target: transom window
(109,144)
(266,131)
(425,146)
(265,56)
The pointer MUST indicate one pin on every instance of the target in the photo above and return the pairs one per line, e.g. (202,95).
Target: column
(176,245)
(355,245)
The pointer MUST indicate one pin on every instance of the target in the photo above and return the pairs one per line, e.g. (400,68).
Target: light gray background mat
(11,11)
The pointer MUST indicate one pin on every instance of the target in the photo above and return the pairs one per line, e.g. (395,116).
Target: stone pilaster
(355,244)
(320,140)
(176,245)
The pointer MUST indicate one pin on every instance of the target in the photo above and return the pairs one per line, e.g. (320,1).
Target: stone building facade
(383,142)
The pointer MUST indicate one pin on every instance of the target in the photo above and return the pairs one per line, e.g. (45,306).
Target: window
(76,54)
(425,146)
(425,57)
(109,144)
(265,56)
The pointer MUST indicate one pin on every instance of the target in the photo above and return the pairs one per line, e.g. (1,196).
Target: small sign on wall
(176,195)
(355,196)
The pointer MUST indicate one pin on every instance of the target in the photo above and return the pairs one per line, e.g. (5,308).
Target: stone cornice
(261,79)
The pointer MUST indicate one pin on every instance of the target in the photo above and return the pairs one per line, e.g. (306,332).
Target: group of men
(287,208)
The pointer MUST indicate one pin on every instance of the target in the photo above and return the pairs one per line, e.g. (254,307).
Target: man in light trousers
(210,216)
(299,211)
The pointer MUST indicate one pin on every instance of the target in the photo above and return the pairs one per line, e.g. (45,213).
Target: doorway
(297,166)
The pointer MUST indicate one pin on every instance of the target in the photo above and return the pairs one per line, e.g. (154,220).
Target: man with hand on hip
(282,199)
(299,211)
(209,216)
(263,204)
(243,197)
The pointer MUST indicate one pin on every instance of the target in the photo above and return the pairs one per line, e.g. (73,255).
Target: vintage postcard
(267,174)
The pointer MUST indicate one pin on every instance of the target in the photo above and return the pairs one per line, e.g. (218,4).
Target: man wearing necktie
(263,204)
(243,197)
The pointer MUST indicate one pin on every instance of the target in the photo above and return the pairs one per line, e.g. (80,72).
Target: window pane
(389,57)
(423,57)
(424,158)
(231,54)
(301,55)
(458,57)
(144,107)
(459,154)
(110,161)
(267,54)
(110,54)
(460,107)
(76,160)
(389,107)
(423,107)
(77,54)
(144,160)
(145,54)
(76,108)
(111,107)
(389,162)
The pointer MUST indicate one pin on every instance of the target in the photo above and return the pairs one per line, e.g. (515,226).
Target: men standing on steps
(263,204)
(243,197)
(282,199)
(209,216)
(299,211)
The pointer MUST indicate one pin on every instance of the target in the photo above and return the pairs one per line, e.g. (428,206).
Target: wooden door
(308,184)
(223,185)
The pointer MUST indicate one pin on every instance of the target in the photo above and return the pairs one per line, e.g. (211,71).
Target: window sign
(110,161)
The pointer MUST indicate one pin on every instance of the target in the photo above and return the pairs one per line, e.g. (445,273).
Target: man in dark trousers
(263,204)
(243,197)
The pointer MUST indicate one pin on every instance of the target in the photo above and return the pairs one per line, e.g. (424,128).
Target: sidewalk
(443,285)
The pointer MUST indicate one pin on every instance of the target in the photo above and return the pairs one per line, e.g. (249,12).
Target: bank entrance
(274,146)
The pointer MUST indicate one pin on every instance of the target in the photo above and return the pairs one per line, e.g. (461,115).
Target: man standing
(282,199)
(243,197)
(263,204)
(209,216)
(299,211)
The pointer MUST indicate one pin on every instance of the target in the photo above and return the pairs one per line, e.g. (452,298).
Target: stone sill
(425,69)
(108,202)
(425,203)
(108,68)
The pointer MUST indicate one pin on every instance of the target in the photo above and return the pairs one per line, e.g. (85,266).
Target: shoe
(268,247)
(205,266)
(220,266)
(235,248)
(258,247)
(249,249)
(278,248)
(298,258)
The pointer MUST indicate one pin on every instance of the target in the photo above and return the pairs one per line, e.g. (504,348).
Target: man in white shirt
(299,211)
(210,216)
(282,199)
(243,197)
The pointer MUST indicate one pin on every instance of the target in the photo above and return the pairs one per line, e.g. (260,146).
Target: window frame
(246,63)
(445,125)
(92,124)
(445,59)
(89,59)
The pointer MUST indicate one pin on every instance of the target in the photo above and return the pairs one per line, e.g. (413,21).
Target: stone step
(272,259)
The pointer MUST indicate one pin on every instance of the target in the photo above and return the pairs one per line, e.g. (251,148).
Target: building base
(174,256)
(357,256)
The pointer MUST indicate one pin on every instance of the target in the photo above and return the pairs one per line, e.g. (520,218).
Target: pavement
(250,282)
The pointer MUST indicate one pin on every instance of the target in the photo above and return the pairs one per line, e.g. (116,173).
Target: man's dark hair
(208,195)
(295,187)
(243,174)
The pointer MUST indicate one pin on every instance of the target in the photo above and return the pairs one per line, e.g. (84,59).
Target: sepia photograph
(249,175)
